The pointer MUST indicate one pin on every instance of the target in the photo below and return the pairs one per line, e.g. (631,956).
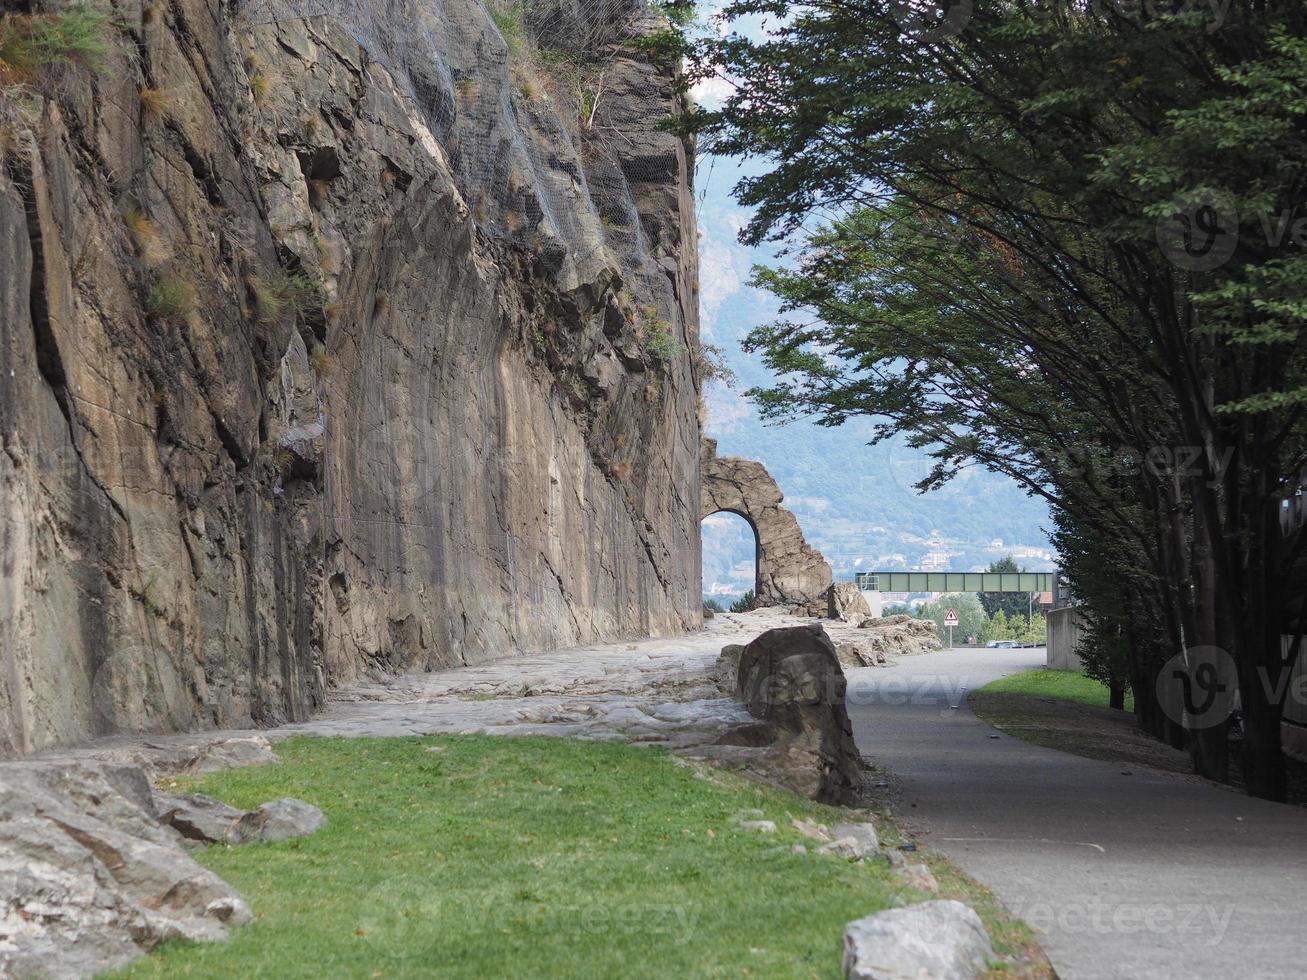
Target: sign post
(951,620)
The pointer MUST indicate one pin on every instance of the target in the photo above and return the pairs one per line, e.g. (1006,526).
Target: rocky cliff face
(336,344)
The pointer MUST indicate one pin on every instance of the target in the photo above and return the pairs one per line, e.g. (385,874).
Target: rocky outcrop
(791,680)
(879,638)
(89,879)
(942,940)
(845,602)
(790,572)
(336,346)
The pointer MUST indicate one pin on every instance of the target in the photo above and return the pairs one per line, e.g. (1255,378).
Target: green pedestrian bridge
(954,581)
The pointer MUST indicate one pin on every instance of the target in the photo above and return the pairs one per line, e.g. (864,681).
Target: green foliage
(710,365)
(510,857)
(680,12)
(744,603)
(282,292)
(32,43)
(659,341)
(1011,603)
(714,605)
(510,18)
(170,298)
(589,99)
(971,617)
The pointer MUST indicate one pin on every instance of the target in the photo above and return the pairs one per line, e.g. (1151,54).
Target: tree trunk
(1210,750)
(1263,755)
(1116,695)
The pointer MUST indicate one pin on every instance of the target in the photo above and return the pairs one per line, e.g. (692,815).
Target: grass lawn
(1062,684)
(533,857)
(1066,711)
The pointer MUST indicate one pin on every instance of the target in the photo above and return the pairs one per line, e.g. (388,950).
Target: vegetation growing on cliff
(32,43)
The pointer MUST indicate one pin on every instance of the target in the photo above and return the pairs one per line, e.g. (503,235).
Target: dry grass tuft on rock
(259,85)
(146,236)
(154,105)
(281,293)
(170,298)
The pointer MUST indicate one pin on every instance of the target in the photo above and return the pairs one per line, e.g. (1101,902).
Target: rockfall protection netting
(522,96)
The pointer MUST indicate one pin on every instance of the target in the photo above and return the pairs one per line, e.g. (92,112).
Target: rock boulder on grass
(89,879)
(791,679)
(939,940)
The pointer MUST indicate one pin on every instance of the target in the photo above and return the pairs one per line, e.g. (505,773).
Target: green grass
(660,343)
(77,34)
(1062,684)
(510,18)
(283,292)
(171,297)
(524,857)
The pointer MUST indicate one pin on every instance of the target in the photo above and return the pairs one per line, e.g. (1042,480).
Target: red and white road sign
(951,618)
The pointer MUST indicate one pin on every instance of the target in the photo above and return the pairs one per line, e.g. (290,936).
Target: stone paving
(658,691)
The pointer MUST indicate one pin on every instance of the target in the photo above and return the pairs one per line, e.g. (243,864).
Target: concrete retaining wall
(1064,628)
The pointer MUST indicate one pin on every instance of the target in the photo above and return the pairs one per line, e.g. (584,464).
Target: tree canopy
(1062,242)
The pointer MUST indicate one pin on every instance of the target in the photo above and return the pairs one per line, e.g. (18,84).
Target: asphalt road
(1122,876)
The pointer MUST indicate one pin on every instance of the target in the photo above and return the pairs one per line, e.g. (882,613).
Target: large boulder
(726,670)
(855,653)
(88,877)
(791,679)
(939,940)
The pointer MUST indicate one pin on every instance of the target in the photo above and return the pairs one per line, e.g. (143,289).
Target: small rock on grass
(203,820)
(278,820)
(762,826)
(810,828)
(853,841)
(939,940)
(919,876)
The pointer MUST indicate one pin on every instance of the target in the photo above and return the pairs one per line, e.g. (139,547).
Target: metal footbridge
(954,581)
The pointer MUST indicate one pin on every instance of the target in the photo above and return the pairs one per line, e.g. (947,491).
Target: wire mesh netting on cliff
(547,120)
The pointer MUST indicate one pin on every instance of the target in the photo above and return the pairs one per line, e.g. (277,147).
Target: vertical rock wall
(331,345)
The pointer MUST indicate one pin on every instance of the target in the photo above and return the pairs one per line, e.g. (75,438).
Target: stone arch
(789,571)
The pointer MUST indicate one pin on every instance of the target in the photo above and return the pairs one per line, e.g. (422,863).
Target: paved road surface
(1123,876)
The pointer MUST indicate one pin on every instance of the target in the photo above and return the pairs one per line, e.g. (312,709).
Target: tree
(971,617)
(744,603)
(1016,270)
(1012,603)
(714,604)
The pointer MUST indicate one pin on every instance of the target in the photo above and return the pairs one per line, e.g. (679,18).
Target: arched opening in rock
(730,556)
